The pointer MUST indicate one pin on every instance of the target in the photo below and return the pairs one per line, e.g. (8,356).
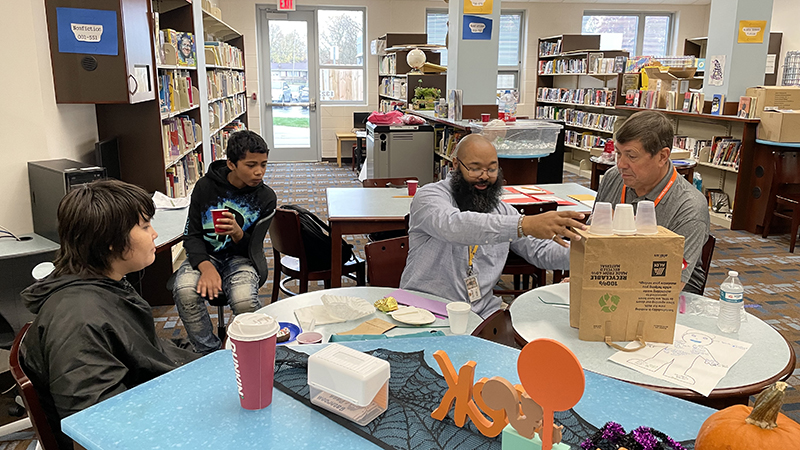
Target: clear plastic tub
(520,139)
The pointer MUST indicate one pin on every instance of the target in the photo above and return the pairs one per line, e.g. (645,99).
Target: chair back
(531,209)
(284,232)
(256,249)
(41,426)
(386,260)
(498,328)
(705,258)
(386,182)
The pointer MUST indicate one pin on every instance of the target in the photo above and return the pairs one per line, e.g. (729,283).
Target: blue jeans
(239,284)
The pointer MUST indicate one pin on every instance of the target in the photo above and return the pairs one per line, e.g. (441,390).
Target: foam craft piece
(513,441)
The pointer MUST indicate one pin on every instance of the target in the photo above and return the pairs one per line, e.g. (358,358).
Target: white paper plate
(413,316)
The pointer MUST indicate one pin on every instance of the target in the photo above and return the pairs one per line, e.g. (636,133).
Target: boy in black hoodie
(217,261)
(93,336)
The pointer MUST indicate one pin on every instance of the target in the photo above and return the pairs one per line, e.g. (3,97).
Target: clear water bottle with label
(508,104)
(731,303)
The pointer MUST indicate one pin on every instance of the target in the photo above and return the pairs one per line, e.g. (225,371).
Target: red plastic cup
(485,117)
(253,339)
(412,187)
(215,215)
(609,146)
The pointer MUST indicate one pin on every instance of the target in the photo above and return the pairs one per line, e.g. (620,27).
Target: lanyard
(473,249)
(663,191)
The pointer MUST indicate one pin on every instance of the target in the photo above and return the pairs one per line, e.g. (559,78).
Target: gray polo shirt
(683,210)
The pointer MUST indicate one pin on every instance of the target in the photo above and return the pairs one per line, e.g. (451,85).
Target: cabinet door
(138,48)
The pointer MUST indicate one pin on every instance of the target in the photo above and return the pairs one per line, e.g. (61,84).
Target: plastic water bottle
(731,303)
(509,105)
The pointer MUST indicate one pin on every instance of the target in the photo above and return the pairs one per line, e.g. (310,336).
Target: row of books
(219,141)
(748,106)
(448,141)
(223,83)
(179,135)
(225,110)
(577,117)
(223,54)
(583,139)
(599,64)
(691,102)
(388,64)
(724,151)
(550,67)
(175,91)
(182,176)
(393,87)
(549,48)
(391,105)
(175,48)
(582,96)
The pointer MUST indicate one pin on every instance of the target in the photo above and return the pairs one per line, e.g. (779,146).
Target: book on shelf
(717,104)
(619,64)
(635,63)
(747,107)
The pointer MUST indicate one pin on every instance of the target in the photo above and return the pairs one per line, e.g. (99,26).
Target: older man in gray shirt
(460,232)
(644,172)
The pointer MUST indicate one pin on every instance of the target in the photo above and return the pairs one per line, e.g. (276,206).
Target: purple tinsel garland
(612,432)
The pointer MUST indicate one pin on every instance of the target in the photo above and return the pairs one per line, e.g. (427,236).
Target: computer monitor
(107,155)
(360,120)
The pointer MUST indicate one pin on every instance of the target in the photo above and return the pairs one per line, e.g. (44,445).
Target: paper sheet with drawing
(696,360)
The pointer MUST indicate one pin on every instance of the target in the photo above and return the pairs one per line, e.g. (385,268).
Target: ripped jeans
(239,284)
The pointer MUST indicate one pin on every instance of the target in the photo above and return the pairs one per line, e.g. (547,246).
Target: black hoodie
(247,204)
(91,340)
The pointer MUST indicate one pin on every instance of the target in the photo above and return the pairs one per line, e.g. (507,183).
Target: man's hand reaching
(553,225)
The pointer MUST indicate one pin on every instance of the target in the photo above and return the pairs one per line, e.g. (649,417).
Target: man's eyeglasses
(478,172)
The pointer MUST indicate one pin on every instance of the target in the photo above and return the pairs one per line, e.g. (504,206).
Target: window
(341,55)
(510,51)
(637,33)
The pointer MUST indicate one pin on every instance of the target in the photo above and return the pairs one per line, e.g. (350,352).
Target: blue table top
(197,406)
(779,144)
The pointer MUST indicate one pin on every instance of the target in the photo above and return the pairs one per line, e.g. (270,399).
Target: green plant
(428,93)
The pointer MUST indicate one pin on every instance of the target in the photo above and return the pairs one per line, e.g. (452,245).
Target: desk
(283,311)
(197,406)
(769,359)
(563,191)
(361,211)
(599,168)
(342,136)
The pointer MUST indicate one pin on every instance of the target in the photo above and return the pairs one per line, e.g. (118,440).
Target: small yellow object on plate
(386,304)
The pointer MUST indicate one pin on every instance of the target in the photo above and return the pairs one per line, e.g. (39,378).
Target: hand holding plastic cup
(601,219)
(624,223)
(458,314)
(646,218)
(253,338)
(216,214)
(412,187)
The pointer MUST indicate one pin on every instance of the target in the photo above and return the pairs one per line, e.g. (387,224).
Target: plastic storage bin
(349,383)
(520,139)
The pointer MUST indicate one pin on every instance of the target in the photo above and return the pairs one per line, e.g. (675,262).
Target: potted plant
(425,97)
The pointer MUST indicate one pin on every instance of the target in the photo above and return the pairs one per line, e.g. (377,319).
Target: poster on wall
(87,31)
(752,31)
(716,66)
(478,6)
(477,28)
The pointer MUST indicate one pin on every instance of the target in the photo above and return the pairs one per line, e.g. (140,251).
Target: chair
(386,260)
(287,241)
(44,433)
(497,328)
(518,266)
(786,206)
(705,258)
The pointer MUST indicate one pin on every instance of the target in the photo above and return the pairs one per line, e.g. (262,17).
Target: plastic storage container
(349,383)
(520,139)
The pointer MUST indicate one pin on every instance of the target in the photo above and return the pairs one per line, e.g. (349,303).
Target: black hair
(245,141)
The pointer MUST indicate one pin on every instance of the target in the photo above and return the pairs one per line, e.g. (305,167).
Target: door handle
(312,105)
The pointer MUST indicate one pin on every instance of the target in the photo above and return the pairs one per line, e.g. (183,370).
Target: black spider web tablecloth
(415,390)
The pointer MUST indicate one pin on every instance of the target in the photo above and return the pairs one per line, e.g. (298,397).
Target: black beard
(468,198)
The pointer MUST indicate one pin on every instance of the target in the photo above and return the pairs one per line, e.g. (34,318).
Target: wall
(32,125)
(784,19)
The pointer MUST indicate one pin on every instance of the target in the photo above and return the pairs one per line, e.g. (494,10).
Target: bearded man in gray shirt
(460,232)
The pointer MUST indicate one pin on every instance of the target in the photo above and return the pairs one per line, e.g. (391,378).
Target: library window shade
(645,33)
(341,55)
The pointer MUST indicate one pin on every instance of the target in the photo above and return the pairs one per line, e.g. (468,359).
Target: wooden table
(599,168)
(348,136)
(769,359)
(563,191)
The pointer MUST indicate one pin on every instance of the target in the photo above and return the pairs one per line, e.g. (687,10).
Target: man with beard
(460,232)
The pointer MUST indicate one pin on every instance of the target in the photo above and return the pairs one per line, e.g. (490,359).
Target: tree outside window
(341,55)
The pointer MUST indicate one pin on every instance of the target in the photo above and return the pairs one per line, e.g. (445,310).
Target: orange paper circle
(551,374)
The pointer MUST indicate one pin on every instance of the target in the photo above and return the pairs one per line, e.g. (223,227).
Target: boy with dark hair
(217,261)
(94,336)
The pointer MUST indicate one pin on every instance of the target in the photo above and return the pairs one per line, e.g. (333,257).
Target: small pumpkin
(740,427)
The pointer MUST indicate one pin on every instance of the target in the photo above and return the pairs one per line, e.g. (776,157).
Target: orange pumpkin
(740,427)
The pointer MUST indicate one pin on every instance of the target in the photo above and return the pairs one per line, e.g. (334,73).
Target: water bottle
(731,303)
(509,103)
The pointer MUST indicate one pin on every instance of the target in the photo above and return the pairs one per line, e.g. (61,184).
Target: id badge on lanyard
(471,281)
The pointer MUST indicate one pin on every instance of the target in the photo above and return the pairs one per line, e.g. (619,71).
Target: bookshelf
(395,84)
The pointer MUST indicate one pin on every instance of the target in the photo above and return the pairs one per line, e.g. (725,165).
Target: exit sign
(285,5)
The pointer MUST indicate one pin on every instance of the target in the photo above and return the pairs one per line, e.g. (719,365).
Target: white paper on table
(347,308)
(533,190)
(163,202)
(696,360)
(318,312)
(552,198)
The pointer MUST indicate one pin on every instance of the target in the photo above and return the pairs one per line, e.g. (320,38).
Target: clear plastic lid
(252,327)
(526,124)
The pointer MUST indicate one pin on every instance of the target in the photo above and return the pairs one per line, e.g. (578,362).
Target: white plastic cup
(601,219)
(646,218)
(253,339)
(624,223)
(458,314)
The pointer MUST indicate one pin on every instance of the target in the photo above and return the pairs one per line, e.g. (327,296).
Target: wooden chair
(517,266)
(785,205)
(498,328)
(386,260)
(705,258)
(287,241)
(386,182)
(44,433)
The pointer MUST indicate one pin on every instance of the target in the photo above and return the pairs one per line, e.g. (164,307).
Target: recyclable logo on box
(608,303)
(659,268)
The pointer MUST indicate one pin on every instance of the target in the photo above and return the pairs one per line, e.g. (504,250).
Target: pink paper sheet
(409,299)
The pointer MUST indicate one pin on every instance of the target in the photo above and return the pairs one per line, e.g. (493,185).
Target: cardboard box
(780,97)
(622,286)
(664,79)
(779,126)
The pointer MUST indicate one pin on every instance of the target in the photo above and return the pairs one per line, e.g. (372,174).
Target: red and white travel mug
(253,338)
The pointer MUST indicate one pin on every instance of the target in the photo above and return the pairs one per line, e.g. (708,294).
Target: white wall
(785,14)
(32,125)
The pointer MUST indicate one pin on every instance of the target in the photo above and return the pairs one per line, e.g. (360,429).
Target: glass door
(288,56)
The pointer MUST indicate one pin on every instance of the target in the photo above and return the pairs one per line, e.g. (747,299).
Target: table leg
(595,179)
(336,255)
(338,151)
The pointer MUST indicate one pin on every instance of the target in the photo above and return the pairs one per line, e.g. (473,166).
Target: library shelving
(395,84)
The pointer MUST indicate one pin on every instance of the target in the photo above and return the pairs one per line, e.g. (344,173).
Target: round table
(769,359)
(283,311)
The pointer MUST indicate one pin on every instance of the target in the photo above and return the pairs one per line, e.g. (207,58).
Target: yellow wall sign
(478,6)
(751,31)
